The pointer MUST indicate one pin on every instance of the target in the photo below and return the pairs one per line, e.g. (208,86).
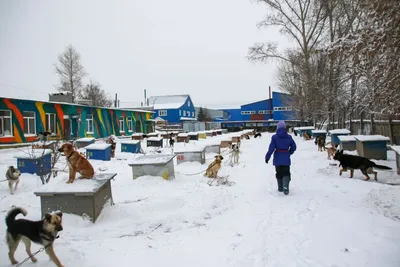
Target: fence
(381,127)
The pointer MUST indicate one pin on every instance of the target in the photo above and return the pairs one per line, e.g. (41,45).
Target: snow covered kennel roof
(347,138)
(370,138)
(168,101)
(340,131)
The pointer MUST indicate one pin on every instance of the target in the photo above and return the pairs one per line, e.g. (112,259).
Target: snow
(189,149)
(85,139)
(29,153)
(152,159)
(340,131)
(369,138)
(98,146)
(326,220)
(318,131)
(155,139)
(183,135)
(187,119)
(347,138)
(168,101)
(396,149)
(306,128)
(134,142)
(137,134)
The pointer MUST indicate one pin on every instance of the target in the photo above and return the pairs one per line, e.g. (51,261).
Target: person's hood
(281,132)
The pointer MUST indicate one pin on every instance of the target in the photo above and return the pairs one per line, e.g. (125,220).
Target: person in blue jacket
(282,146)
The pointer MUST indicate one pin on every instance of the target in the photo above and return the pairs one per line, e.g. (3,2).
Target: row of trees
(345,62)
(71,73)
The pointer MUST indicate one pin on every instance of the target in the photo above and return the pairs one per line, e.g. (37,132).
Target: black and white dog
(235,152)
(12,176)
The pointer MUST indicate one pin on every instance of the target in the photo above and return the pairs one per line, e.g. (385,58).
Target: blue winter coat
(282,145)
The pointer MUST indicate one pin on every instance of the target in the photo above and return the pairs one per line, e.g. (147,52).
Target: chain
(40,250)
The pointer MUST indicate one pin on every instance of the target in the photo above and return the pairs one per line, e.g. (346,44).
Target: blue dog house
(347,142)
(305,129)
(101,151)
(335,133)
(317,133)
(372,146)
(84,142)
(35,161)
(131,146)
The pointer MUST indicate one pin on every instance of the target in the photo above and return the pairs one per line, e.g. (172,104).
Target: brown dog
(214,167)
(330,149)
(76,163)
(43,232)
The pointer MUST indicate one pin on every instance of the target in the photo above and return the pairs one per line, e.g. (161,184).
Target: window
(264,112)
(129,125)
(89,123)
(184,113)
(5,123)
(121,124)
(29,122)
(162,113)
(282,108)
(51,123)
(180,112)
(188,103)
(247,112)
(188,113)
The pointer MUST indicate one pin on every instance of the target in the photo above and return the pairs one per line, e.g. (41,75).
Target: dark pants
(283,178)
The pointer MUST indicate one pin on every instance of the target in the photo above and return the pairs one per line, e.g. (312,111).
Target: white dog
(235,153)
(12,176)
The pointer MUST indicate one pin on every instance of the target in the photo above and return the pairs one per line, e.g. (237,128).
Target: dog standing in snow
(12,176)
(235,153)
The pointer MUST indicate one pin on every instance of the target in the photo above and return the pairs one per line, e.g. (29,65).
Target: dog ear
(59,214)
(222,157)
(47,216)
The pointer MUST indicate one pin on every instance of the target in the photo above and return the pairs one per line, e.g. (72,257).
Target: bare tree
(71,71)
(98,96)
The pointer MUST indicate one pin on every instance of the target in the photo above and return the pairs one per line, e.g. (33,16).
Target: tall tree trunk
(391,133)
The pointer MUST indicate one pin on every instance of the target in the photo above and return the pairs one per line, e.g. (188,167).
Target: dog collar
(70,155)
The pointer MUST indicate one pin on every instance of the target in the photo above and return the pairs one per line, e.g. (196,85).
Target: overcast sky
(168,47)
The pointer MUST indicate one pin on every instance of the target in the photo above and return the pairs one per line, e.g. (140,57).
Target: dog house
(337,132)
(100,151)
(372,146)
(236,138)
(209,133)
(165,135)
(225,143)
(34,161)
(149,135)
(224,131)
(317,133)
(193,136)
(183,137)
(137,136)
(213,149)
(202,135)
(130,146)
(155,142)
(154,165)
(219,131)
(347,142)
(84,142)
(305,129)
(84,197)
(396,150)
(193,154)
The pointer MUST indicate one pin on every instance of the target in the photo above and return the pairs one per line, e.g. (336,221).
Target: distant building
(173,108)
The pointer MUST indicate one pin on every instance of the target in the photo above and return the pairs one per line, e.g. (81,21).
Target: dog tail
(382,167)
(10,218)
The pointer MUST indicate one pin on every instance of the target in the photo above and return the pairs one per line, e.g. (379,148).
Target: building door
(138,126)
(67,129)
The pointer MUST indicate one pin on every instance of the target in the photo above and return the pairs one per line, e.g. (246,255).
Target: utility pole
(116,100)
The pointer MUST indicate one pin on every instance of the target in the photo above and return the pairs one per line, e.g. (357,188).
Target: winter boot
(285,184)
(280,184)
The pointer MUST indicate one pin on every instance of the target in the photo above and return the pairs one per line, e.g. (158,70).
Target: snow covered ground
(327,220)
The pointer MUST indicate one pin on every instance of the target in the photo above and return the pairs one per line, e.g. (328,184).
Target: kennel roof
(32,153)
(85,139)
(98,146)
(340,131)
(371,138)
(347,138)
(156,159)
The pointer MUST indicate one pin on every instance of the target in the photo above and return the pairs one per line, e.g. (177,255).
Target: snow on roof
(184,149)
(152,159)
(193,133)
(347,138)
(168,101)
(85,139)
(340,131)
(369,138)
(134,142)
(32,153)
(137,134)
(60,93)
(154,139)
(188,119)
(396,149)
(98,146)
(306,128)
(183,135)
(318,131)
(78,186)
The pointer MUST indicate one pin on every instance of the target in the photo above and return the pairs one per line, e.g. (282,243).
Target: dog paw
(33,259)
(69,182)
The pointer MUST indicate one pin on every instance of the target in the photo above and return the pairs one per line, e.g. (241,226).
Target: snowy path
(327,220)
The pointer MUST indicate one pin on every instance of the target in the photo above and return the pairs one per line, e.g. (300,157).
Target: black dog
(171,141)
(43,232)
(356,162)
(257,135)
